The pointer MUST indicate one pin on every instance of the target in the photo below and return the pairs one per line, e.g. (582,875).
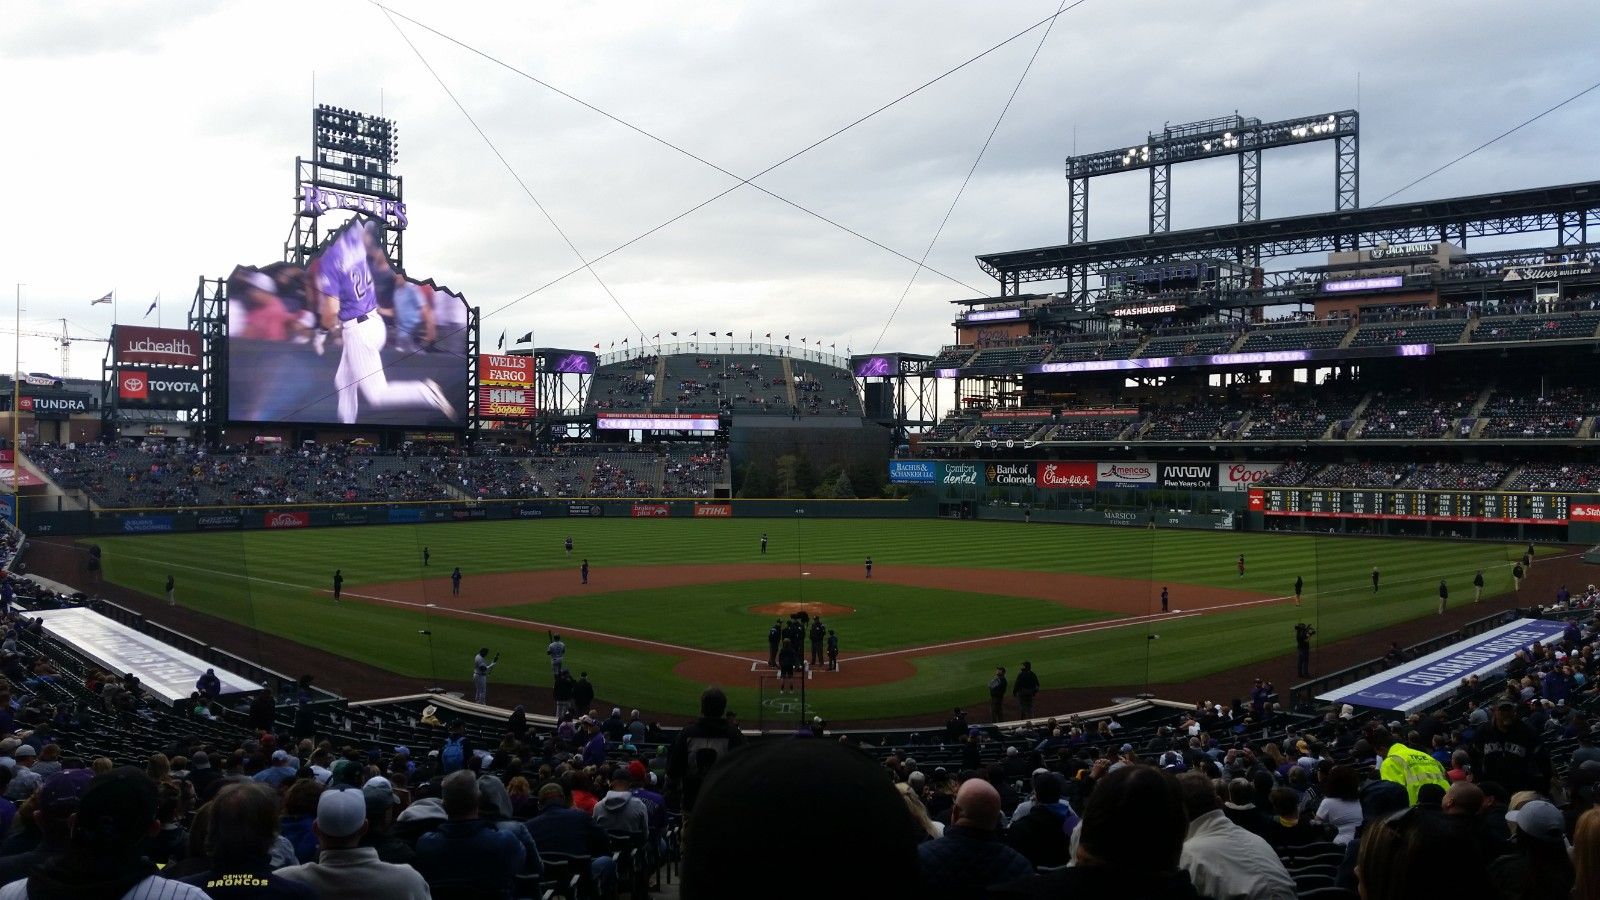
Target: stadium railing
(1303,696)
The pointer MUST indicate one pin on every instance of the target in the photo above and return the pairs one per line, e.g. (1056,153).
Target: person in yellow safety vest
(1411,769)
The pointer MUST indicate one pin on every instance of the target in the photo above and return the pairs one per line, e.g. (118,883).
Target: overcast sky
(152,143)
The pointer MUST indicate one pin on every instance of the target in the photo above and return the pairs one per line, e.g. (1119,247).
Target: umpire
(774,638)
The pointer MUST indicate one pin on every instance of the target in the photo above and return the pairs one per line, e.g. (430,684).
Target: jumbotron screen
(347,340)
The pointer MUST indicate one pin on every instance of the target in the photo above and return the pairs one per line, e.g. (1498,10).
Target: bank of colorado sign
(162,346)
(158,388)
(1009,473)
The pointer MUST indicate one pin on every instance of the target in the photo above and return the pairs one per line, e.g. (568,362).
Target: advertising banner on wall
(651,511)
(1010,474)
(1189,476)
(958,473)
(506,402)
(585,510)
(1129,474)
(713,510)
(1071,476)
(146,524)
(912,471)
(1244,476)
(53,404)
(218,521)
(298,519)
(161,346)
(158,388)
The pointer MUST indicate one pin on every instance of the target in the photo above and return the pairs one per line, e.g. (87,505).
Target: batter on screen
(347,301)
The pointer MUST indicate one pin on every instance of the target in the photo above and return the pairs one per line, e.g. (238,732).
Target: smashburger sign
(164,346)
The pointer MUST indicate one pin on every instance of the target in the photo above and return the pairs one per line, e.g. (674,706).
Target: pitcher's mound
(785,609)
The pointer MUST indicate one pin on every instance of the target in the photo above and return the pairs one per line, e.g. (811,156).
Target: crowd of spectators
(1555,413)
(1415,412)
(345,473)
(1580,477)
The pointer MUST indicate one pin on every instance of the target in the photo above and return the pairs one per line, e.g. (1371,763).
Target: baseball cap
(200,760)
(62,790)
(636,771)
(280,756)
(258,280)
(379,789)
(345,772)
(1540,820)
(341,812)
(24,751)
(1126,748)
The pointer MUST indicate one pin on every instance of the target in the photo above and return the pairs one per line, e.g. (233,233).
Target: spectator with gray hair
(468,854)
(243,828)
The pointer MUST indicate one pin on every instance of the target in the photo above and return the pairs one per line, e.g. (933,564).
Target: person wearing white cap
(1539,864)
(344,868)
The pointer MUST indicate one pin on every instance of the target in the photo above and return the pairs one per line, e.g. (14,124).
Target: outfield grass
(718,616)
(277,582)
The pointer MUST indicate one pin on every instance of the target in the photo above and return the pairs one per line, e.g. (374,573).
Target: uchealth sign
(1189,476)
(1244,476)
(163,346)
(1009,473)
(1134,474)
(1071,476)
(158,388)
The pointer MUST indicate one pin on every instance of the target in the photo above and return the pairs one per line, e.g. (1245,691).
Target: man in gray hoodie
(619,810)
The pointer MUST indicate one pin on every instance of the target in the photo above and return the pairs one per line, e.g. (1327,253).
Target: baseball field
(674,604)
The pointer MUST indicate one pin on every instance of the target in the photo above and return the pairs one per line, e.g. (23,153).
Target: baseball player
(763,543)
(584,571)
(1241,565)
(569,545)
(557,651)
(338,583)
(455,582)
(425,555)
(1299,585)
(869,567)
(481,665)
(345,298)
(1164,599)
(172,597)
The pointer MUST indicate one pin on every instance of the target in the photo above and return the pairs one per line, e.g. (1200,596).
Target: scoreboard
(1518,508)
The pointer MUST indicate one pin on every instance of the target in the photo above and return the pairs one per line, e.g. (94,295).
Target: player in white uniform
(347,300)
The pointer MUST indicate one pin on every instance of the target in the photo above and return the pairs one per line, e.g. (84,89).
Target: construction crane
(64,339)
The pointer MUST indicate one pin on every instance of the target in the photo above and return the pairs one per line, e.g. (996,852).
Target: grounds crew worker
(1411,769)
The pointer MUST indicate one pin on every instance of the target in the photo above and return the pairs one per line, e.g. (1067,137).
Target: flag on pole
(152,307)
(502,344)
(786,337)
(769,335)
(624,342)
(694,334)
(730,334)
(526,339)
(657,337)
(597,346)
(673,333)
(105,299)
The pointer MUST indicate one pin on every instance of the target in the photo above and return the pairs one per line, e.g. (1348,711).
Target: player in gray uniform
(346,299)
(481,666)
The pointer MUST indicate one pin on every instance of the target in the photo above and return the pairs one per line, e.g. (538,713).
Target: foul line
(528,624)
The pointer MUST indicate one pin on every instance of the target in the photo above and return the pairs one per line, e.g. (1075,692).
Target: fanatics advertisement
(348,340)
(158,388)
(159,346)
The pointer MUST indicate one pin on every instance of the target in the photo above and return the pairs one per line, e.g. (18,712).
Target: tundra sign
(1189,476)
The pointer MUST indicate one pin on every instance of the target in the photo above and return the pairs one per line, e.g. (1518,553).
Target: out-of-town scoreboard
(1513,507)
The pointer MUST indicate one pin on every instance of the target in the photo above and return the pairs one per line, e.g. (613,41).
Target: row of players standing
(786,646)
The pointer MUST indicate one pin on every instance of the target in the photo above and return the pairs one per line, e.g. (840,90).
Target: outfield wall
(295,516)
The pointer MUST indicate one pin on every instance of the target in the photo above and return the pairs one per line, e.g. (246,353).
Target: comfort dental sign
(1417,683)
(165,671)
